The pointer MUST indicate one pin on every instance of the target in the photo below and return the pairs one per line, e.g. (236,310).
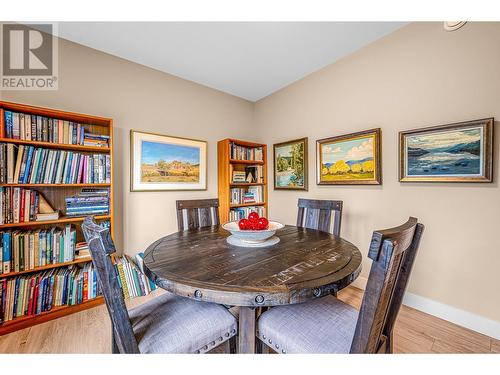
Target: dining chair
(317,214)
(328,325)
(197,213)
(165,324)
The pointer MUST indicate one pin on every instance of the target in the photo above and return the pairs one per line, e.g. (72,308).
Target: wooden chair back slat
(317,214)
(197,213)
(393,253)
(101,247)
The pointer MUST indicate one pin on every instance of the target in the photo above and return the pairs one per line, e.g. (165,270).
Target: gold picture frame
(350,159)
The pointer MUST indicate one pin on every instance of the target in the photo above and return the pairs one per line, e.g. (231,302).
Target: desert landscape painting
(163,162)
(349,159)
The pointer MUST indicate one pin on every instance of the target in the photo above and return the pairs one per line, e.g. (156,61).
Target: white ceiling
(247,59)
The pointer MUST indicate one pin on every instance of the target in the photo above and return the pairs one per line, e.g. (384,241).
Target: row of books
(38,292)
(29,127)
(251,195)
(131,277)
(89,202)
(245,153)
(27,250)
(251,174)
(31,165)
(18,205)
(243,212)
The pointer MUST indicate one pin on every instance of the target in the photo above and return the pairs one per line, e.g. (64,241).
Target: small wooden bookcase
(56,194)
(226,165)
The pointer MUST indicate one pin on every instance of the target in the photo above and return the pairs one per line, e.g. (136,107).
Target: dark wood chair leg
(261,348)
(114,347)
(258,346)
(389,346)
(233,344)
(230,345)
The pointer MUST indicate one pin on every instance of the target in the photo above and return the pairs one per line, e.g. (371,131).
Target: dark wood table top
(200,264)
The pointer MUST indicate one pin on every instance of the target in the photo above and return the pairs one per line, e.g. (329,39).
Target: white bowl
(252,236)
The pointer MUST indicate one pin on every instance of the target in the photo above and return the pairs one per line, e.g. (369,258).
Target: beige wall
(140,98)
(418,76)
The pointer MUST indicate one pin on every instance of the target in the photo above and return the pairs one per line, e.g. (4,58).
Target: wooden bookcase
(225,164)
(55,194)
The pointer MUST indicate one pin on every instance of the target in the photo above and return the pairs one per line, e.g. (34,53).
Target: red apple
(253,216)
(244,224)
(262,223)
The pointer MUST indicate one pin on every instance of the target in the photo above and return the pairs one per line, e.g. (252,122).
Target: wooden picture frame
(295,172)
(458,152)
(161,163)
(363,164)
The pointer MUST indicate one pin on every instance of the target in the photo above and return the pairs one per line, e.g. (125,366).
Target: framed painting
(290,165)
(460,152)
(351,159)
(160,162)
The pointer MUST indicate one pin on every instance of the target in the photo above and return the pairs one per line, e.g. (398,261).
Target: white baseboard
(452,314)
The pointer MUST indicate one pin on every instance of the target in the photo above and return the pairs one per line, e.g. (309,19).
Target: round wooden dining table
(200,264)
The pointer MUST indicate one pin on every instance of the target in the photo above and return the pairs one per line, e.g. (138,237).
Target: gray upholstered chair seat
(171,324)
(324,325)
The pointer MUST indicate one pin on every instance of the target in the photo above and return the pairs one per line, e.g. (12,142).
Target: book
(6,252)
(238,177)
(47,216)
(8,123)
(82,250)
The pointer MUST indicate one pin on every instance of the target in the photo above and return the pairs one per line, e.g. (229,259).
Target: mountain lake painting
(456,152)
(350,159)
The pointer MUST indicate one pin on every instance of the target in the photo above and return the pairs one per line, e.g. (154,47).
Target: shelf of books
(242,175)
(55,169)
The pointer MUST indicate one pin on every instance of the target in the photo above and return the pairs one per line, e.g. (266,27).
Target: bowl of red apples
(254,230)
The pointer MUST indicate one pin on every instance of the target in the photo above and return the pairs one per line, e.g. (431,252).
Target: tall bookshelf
(55,195)
(227,164)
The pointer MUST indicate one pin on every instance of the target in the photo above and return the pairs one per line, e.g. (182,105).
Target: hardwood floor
(89,331)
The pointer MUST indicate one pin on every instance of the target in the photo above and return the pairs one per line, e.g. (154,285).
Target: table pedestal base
(246,343)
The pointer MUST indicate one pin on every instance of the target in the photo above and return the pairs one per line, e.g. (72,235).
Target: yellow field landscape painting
(348,159)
